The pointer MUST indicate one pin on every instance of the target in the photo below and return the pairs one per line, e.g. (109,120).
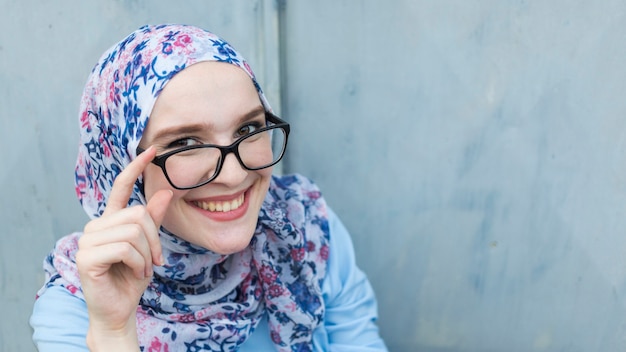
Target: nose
(232,173)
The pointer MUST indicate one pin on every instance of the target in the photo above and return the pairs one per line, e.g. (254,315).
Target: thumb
(157,206)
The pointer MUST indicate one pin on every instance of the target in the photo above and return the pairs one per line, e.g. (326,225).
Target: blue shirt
(60,320)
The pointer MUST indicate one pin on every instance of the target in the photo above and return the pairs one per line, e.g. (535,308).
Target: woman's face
(209,103)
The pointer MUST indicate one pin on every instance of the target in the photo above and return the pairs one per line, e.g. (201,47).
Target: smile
(221,206)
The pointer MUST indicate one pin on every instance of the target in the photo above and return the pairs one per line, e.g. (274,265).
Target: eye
(182,142)
(247,129)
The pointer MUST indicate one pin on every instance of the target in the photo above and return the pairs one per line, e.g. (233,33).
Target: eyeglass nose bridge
(225,150)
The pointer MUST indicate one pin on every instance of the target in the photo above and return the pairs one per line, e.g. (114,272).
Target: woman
(193,244)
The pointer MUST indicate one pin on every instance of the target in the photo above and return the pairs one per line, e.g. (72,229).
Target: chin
(230,248)
(234,239)
(219,237)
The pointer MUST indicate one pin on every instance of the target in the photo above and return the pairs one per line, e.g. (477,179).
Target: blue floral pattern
(199,300)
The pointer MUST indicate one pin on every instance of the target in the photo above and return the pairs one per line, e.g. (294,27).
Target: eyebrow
(197,127)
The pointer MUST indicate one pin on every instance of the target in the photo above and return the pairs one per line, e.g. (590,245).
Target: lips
(221,206)
(225,208)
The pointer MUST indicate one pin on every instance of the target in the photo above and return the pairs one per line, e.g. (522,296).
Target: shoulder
(55,305)
(351,308)
(342,267)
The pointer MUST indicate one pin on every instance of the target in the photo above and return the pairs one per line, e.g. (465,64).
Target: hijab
(198,300)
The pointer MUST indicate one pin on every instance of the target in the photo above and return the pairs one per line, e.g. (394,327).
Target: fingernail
(161,260)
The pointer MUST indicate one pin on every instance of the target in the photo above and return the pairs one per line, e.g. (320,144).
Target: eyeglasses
(196,165)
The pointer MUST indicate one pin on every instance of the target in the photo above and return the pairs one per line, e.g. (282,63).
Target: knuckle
(125,249)
(81,244)
(86,240)
(138,212)
(135,232)
(90,227)
(80,257)
(83,261)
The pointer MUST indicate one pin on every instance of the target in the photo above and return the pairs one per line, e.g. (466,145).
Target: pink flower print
(72,288)
(291,307)
(97,192)
(84,119)
(80,185)
(324,251)
(257,292)
(157,346)
(275,290)
(314,195)
(310,246)
(276,337)
(182,40)
(187,318)
(247,67)
(112,92)
(298,254)
(106,150)
(268,275)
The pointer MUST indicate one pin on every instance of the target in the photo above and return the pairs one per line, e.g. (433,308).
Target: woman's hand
(115,258)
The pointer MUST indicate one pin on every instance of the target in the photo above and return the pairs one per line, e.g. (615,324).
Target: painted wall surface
(47,49)
(475,150)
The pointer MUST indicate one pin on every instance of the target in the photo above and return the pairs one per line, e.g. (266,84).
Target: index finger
(124,182)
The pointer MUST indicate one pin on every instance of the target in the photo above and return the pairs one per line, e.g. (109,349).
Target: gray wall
(475,149)
(47,49)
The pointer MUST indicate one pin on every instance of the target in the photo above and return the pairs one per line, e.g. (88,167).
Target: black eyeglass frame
(160,160)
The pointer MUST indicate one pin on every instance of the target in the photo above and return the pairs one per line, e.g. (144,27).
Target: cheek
(267,172)
(265,175)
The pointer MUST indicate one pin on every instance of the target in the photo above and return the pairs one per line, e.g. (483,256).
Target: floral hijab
(198,300)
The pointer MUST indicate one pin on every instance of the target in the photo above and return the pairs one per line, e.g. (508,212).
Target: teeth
(221,206)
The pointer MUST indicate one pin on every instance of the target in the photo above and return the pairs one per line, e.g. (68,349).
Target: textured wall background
(476,151)
(47,50)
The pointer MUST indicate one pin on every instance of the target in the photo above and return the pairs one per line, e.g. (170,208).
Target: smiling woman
(193,244)
(209,104)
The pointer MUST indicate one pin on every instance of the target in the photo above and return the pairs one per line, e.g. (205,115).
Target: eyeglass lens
(195,166)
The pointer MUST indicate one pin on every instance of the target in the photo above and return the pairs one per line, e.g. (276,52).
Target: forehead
(211,93)
(210,81)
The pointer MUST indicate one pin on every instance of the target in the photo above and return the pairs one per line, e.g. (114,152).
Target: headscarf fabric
(198,300)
